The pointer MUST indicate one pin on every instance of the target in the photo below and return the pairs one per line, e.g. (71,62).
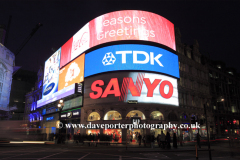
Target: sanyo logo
(109,58)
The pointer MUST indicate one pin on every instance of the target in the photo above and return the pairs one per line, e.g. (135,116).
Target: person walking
(174,140)
(144,141)
(181,139)
(159,140)
(168,139)
(163,139)
(152,140)
(139,139)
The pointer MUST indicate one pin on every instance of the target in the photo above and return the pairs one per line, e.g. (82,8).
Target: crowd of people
(164,141)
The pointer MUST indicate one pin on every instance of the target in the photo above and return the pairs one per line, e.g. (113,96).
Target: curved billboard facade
(116,26)
(137,57)
(73,62)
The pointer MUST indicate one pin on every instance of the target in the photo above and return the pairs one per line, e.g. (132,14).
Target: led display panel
(51,74)
(155,88)
(72,73)
(120,25)
(58,95)
(131,57)
(138,87)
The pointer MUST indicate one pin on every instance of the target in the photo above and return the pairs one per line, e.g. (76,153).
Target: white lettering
(135,53)
(123,53)
(152,58)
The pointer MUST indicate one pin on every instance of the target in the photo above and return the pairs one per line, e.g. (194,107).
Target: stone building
(7,62)
(32,116)
(225,91)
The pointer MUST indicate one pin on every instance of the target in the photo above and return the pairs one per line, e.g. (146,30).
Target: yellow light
(61,101)
(59,105)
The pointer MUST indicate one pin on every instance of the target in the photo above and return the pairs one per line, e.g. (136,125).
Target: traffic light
(193,120)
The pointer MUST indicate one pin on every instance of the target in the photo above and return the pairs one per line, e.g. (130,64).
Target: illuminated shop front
(50,123)
(70,117)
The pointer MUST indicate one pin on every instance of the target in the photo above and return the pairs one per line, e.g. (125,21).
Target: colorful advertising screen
(58,95)
(120,25)
(128,87)
(154,88)
(72,73)
(131,57)
(51,73)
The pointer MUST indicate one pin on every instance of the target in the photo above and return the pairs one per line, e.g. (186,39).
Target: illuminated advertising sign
(72,73)
(71,114)
(51,73)
(131,57)
(75,102)
(138,86)
(120,25)
(58,95)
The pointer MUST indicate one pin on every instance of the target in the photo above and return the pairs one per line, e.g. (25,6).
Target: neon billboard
(131,57)
(135,86)
(72,73)
(51,74)
(116,26)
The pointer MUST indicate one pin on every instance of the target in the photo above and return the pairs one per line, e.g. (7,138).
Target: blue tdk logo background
(131,57)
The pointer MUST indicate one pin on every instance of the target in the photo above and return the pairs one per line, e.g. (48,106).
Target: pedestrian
(144,141)
(168,139)
(198,140)
(158,140)
(174,140)
(139,139)
(181,139)
(131,138)
(163,139)
(152,140)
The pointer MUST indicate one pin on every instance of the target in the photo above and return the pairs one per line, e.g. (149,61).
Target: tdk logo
(109,58)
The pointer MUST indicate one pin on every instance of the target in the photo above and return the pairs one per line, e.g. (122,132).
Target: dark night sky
(216,25)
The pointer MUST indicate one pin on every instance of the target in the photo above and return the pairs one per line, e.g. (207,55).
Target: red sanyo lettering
(113,83)
(113,88)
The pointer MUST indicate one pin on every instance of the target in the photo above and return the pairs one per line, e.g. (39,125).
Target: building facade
(202,91)
(7,62)
(224,88)
(22,82)
(33,117)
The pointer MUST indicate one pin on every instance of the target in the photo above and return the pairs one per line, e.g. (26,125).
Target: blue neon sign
(131,57)
(49,118)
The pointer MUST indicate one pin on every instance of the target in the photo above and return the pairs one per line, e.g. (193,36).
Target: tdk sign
(109,58)
(131,57)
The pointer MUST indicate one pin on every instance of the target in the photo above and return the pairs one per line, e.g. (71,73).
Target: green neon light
(71,110)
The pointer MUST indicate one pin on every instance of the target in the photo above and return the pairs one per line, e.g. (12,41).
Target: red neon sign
(128,84)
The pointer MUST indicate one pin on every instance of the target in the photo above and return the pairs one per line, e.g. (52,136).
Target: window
(1,86)
(94,116)
(184,117)
(112,115)
(1,74)
(185,99)
(7,57)
(156,115)
(172,116)
(136,113)
(189,54)
(193,102)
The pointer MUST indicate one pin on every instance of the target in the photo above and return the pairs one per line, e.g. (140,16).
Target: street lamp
(60,106)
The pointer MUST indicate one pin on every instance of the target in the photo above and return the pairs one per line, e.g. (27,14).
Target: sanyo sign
(131,57)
